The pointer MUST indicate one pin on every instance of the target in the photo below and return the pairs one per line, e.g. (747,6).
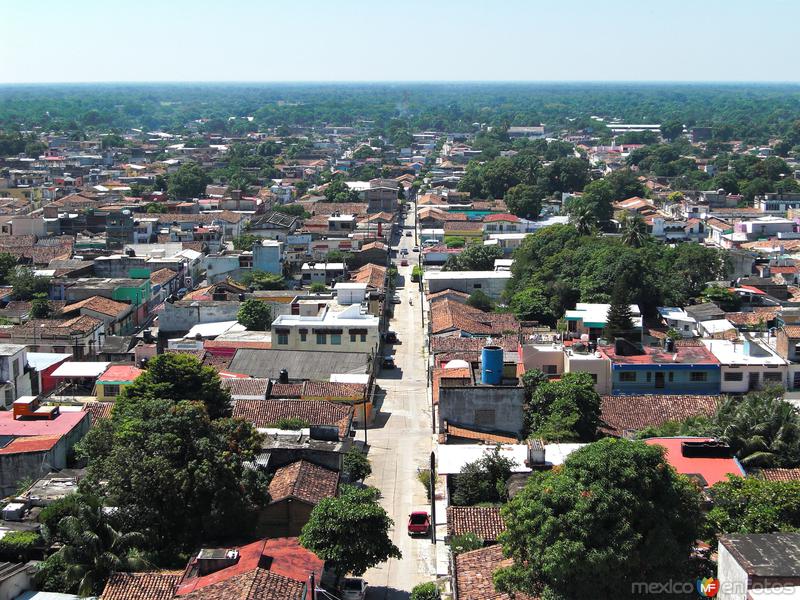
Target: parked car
(353,588)
(395,299)
(404,263)
(182,292)
(419,523)
(404,252)
(388,362)
(415,249)
(390,337)
(408,233)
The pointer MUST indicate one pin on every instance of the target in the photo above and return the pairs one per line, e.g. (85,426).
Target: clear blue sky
(408,40)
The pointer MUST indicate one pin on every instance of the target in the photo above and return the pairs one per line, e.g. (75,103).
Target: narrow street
(400,440)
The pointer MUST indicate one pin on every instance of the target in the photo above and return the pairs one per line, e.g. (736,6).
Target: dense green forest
(750,112)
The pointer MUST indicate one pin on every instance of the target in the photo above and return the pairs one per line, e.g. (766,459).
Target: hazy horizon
(357,41)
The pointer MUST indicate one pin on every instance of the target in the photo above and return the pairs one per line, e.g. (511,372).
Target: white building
(748,365)
(491,283)
(678,319)
(334,328)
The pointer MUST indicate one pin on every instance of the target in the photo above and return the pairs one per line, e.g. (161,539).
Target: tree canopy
(255,315)
(175,377)
(613,514)
(350,531)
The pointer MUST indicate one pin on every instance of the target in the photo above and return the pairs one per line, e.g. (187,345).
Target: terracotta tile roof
(449,315)
(345,208)
(752,318)
(457,226)
(162,276)
(473,574)
(99,304)
(374,246)
(633,413)
(509,343)
(304,481)
(501,217)
(263,413)
(483,521)
(781,474)
(140,586)
(443,358)
(250,386)
(792,331)
(98,410)
(482,436)
(333,390)
(286,390)
(447,293)
(258,584)
(371,274)
(56,328)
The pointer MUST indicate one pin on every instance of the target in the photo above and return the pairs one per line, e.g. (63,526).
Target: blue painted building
(682,369)
(268,257)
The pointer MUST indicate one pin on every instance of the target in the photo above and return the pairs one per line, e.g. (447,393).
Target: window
(9,396)
(594,377)
(476,286)
(303,336)
(698,376)
(773,377)
(734,376)
(110,390)
(322,339)
(336,339)
(550,369)
(352,338)
(283,339)
(627,376)
(16,369)
(649,376)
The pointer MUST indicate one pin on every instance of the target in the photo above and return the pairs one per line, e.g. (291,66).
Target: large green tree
(524,201)
(615,513)
(350,532)
(175,377)
(189,181)
(565,410)
(483,480)
(475,257)
(173,473)
(255,314)
(753,505)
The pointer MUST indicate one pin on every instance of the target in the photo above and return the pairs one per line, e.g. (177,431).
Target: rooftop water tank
(492,365)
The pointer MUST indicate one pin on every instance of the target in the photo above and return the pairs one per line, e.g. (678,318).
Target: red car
(419,523)
(404,263)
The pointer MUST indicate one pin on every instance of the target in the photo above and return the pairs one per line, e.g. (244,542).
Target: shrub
(452,241)
(465,542)
(356,465)
(424,476)
(425,591)
(18,545)
(290,423)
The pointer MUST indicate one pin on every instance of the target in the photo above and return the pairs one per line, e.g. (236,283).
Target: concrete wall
(751,372)
(599,368)
(182,316)
(542,357)
(484,407)
(491,286)
(284,519)
(21,581)
(677,379)
(732,577)
(295,338)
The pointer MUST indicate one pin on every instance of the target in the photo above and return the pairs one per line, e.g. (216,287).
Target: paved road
(400,443)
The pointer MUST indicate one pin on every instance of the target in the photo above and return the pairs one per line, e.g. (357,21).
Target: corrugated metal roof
(301,364)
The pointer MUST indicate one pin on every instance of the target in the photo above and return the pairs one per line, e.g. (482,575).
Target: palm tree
(761,428)
(93,549)
(582,217)
(633,229)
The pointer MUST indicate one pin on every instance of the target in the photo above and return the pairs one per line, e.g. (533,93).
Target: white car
(415,249)
(354,588)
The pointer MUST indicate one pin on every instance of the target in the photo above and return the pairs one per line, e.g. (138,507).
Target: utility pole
(433,497)
(313,585)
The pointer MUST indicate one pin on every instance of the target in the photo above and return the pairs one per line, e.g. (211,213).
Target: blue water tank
(492,365)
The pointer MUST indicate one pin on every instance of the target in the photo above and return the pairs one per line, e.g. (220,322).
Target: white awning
(81,369)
